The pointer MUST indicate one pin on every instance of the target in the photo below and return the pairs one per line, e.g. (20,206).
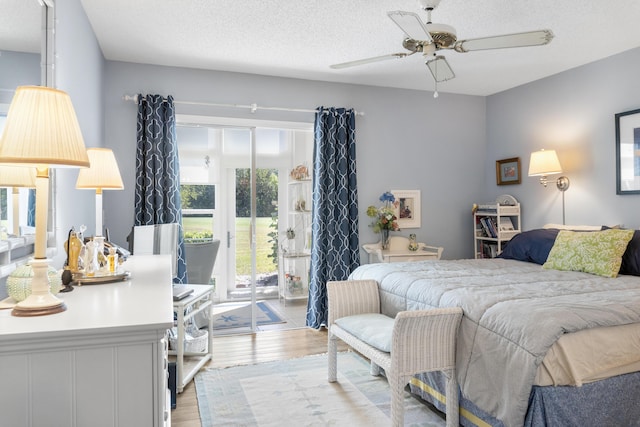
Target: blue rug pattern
(296,392)
(239,315)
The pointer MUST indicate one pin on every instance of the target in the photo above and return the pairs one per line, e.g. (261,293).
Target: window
(198,208)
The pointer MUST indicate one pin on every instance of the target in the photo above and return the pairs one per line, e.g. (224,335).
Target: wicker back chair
(418,341)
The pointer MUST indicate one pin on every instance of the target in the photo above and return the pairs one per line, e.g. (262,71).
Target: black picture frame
(628,152)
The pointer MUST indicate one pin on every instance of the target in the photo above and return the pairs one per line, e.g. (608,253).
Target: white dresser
(102,362)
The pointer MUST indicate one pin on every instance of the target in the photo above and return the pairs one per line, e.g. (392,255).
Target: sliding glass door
(241,174)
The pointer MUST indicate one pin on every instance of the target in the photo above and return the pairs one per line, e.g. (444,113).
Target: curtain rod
(252,107)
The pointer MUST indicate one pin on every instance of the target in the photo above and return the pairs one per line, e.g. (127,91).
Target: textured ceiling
(20,25)
(300,39)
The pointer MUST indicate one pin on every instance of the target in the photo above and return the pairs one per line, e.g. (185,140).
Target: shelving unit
(493,226)
(188,363)
(294,276)
(295,250)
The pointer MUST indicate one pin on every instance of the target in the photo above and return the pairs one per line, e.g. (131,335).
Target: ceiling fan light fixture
(440,69)
(428,49)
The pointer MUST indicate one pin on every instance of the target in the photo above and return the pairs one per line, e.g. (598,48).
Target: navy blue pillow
(531,246)
(631,257)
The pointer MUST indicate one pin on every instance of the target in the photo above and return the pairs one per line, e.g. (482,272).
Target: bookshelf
(493,226)
(295,250)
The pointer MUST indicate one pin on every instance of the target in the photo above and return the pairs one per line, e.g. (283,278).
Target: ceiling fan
(429,38)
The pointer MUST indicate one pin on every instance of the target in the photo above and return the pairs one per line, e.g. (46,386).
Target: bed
(547,337)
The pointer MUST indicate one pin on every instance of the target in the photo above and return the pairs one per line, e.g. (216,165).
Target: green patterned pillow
(595,252)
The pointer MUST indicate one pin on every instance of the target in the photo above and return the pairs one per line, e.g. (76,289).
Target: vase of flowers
(384,217)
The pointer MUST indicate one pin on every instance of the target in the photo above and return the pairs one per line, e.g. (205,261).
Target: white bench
(414,342)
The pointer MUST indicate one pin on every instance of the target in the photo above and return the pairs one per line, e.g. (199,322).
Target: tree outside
(199,226)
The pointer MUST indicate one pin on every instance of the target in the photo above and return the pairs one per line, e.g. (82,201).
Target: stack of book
(489,226)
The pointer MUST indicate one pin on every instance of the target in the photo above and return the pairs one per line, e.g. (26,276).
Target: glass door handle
(229,237)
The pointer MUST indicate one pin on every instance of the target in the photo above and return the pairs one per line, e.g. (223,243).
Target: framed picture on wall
(508,171)
(628,152)
(408,211)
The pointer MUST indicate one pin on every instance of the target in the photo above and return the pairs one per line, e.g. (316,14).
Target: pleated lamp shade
(17,176)
(103,173)
(42,129)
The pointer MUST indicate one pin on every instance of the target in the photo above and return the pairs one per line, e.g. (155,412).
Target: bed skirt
(617,403)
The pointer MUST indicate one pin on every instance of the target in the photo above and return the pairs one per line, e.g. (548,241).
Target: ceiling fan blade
(530,38)
(370,60)
(411,24)
(440,69)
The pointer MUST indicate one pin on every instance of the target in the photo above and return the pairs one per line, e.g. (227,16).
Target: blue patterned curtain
(157,193)
(334,249)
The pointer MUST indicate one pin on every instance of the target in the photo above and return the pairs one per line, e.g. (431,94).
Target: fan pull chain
(435,92)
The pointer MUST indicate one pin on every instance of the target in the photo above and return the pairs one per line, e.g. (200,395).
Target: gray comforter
(513,312)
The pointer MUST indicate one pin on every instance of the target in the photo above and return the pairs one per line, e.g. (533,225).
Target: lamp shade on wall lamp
(544,162)
(16,177)
(103,174)
(41,131)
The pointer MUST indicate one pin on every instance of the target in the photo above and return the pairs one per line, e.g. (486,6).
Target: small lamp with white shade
(103,174)
(41,131)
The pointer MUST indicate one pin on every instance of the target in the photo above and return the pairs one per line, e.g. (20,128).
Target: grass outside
(264,264)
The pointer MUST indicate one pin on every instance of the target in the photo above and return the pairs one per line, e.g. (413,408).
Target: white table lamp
(17,177)
(103,174)
(41,131)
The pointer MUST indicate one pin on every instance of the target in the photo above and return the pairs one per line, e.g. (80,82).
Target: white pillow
(574,227)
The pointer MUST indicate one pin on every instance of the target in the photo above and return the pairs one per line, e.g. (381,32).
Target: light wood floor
(234,350)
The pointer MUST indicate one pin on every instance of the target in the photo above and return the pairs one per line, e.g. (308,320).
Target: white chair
(414,342)
(157,239)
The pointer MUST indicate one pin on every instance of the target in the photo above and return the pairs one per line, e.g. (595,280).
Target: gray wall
(406,139)
(80,72)
(573,113)
(17,69)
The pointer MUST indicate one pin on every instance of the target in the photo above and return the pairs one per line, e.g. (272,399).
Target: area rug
(238,315)
(296,393)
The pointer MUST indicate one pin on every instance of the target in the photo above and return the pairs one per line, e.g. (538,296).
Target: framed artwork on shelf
(508,171)
(408,210)
(628,152)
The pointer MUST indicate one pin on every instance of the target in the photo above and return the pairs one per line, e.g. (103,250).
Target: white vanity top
(144,301)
